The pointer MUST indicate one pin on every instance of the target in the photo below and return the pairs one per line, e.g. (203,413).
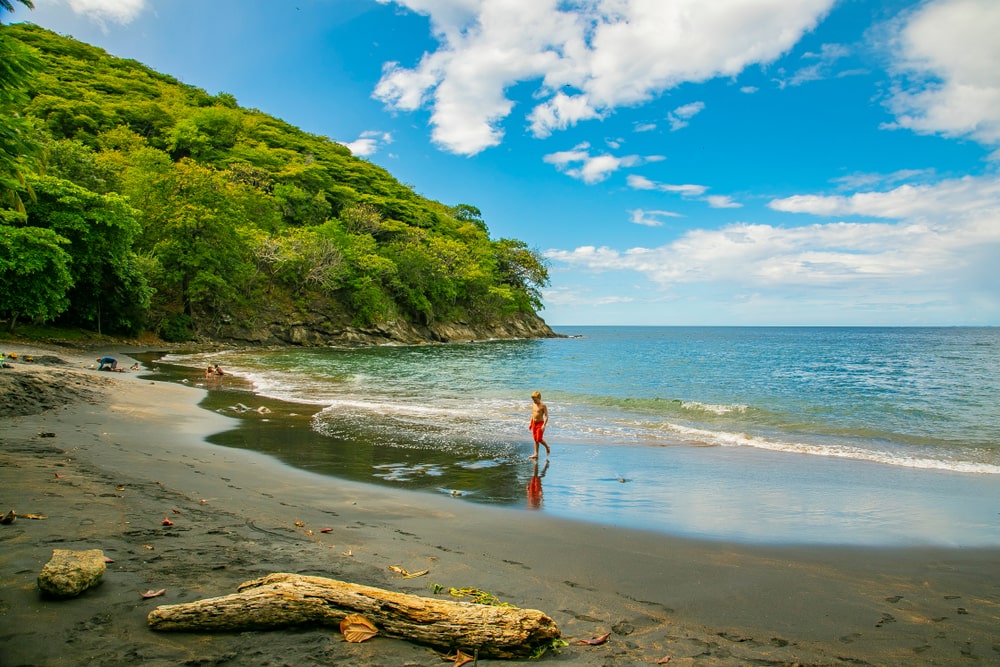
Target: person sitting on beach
(539,420)
(134,366)
(209,372)
(218,371)
(110,362)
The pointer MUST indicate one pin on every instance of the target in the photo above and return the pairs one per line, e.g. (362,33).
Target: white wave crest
(715,408)
(729,439)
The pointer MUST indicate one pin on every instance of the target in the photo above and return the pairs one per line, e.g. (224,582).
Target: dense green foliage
(131,200)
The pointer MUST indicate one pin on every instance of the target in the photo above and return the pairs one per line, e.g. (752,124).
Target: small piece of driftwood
(284,600)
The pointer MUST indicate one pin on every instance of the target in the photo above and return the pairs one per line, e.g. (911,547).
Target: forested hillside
(130,201)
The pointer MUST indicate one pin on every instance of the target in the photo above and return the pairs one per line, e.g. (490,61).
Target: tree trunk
(283,600)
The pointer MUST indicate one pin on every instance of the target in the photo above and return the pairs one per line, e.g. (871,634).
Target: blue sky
(730,162)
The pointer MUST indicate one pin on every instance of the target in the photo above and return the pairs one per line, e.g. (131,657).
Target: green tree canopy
(34,274)
(18,64)
(187,213)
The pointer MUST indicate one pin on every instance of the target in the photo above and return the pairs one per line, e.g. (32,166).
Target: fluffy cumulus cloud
(945,57)
(942,239)
(589,57)
(369,142)
(581,164)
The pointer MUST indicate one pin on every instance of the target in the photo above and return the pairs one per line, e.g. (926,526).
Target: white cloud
(821,65)
(651,218)
(560,112)
(563,296)
(946,54)
(369,142)
(590,57)
(680,116)
(637,182)
(116,11)
(686,190)
(580,164)
(925,202)
(937,242)
(866,180)
(722,201)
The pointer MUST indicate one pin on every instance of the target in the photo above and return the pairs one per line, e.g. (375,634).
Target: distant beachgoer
(110,362)
(218,371)
(209,372)
(539,420)
(134,366)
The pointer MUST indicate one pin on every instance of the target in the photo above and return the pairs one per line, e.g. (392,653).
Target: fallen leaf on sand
(36,517)
(326,530)
(109,560)
(58,476)
(299,524)
(594,641)
(664,660)
(356,628)
(176,511)
(167,522)
(459,659)
(309,533)
(349,552)
(153,594)
(147,547)
(8,518)
(119,488)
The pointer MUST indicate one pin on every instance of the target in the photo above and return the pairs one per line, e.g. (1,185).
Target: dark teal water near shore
(839,435)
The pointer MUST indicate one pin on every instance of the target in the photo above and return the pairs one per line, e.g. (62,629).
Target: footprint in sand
(886,618)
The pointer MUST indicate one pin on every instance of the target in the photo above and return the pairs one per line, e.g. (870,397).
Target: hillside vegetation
(130,201)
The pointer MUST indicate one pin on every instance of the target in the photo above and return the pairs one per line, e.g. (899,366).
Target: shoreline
(699,602)
(722,493)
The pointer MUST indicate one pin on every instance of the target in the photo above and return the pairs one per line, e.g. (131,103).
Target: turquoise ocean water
(869,436)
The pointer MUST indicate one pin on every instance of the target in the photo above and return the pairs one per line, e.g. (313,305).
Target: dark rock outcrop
(319,332)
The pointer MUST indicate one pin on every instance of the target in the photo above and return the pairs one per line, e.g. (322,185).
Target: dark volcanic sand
(125,453)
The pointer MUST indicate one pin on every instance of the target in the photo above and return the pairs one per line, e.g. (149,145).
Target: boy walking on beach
(539,420)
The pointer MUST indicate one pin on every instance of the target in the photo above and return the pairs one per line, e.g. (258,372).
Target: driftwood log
(284,600)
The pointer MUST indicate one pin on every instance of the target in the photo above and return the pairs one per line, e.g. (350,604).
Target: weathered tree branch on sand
(284,600)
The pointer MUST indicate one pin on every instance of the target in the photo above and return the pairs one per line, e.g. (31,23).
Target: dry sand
(106,457)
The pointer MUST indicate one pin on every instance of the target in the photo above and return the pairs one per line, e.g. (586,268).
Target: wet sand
(121,453)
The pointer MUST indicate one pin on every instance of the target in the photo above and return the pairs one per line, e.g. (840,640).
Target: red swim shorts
(537,430)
